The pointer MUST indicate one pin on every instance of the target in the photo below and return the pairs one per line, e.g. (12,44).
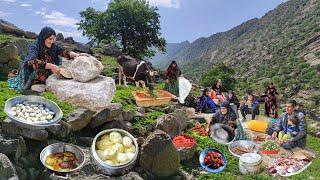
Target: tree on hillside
(220,71)
(134,25)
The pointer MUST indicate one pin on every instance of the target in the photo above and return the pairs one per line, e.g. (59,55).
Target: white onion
(126,141)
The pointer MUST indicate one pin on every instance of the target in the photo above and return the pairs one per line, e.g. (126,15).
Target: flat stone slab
(109,113)
(80,118)
(36,134)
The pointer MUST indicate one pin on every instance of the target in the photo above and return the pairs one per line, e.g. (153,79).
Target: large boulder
(35,134)
(111,50)
(181,118)
(169,124)
(159,156)
(14,63)
(85,68)
(109,113)
(94,95)
(84,48)
(80,118)
(9,51)
(13,146)
(7,170)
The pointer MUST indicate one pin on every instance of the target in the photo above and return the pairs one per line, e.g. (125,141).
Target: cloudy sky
(180,19)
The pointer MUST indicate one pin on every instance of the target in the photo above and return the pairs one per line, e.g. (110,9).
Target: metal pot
(243,143)
(117,169)
(62,147)
(32,99)
(227,128)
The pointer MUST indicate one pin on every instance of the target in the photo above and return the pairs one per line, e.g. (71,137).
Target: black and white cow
(137,70)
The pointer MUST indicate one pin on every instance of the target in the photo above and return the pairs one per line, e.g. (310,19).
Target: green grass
(149,118)
(124,96)
(5,38)
(6,93)
(232,169)
(110,64)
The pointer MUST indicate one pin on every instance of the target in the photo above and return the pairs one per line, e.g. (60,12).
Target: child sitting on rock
(291,131)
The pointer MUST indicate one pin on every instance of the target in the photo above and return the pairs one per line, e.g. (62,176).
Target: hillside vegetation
(283,46)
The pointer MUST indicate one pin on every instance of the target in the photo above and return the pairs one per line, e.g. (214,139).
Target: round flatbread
(65,73)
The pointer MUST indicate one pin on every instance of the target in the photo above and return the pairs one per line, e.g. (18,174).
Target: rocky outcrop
(60,37)
(69,40)
(8,28)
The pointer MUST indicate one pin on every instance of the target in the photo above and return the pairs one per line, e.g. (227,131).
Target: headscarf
(224,104)
(45,33)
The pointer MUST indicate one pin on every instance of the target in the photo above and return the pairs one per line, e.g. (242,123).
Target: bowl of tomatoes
(212,160)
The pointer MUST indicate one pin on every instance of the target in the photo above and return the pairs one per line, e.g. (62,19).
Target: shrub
(220,71)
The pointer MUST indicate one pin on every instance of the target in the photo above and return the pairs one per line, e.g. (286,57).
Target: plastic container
(178,144)
(250,163)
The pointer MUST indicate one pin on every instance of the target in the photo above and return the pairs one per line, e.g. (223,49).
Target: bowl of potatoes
(114,151)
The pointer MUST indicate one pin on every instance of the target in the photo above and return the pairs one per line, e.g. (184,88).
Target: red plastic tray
(183,144)
(270,151)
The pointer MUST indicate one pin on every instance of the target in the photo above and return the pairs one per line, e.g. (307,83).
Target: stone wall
(11,54)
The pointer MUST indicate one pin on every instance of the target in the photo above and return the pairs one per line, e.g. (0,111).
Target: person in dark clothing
(233,101)
(206,104)
(173,73)
(271,108)
(250,106)
(226,115)
(299,140)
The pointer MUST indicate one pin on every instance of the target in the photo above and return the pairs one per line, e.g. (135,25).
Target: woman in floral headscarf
(173,73)
(41,61)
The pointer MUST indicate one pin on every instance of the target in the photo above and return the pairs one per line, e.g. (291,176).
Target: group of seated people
(225,111)
(211,100)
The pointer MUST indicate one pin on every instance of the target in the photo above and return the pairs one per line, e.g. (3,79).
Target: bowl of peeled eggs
(32,112)
(114,151)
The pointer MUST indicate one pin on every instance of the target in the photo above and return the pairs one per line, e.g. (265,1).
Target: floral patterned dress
(271,108)
(33,70)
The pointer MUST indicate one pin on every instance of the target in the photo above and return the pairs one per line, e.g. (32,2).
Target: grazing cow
(138,71)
